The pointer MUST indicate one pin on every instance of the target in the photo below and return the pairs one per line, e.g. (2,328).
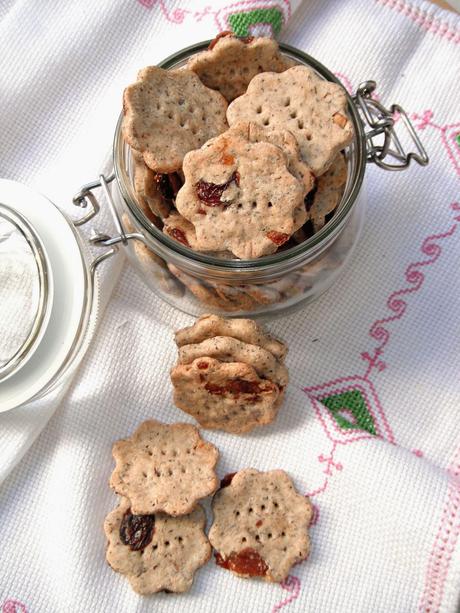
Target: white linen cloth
(382,344)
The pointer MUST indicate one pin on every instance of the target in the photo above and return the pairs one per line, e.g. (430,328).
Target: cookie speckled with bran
(246,330)
(328,192)
(156,552)
(240,195)
(168,113)
(164,468)
(260,526)
(227,349)
(225,396)
(298,100)
(230,63)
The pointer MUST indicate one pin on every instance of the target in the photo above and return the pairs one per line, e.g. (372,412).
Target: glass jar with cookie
(239,167)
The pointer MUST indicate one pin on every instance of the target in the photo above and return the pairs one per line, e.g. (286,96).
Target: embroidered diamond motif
(350,411)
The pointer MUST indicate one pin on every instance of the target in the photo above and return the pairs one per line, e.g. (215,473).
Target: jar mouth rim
(310,245)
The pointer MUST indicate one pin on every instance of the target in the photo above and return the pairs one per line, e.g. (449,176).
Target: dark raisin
(225,482)
(136,531)
(210,193)
(178,235)
(168,185)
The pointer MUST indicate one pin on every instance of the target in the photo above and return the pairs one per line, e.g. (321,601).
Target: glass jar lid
(46,294)
(24,290)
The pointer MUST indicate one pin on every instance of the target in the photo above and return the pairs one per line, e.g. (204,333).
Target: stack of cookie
(156,536)
(237,154)
(230,374)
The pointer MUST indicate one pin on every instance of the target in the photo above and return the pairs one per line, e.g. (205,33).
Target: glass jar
(48,295)
(198,283)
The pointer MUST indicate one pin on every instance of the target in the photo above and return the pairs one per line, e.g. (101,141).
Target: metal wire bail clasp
(383,143)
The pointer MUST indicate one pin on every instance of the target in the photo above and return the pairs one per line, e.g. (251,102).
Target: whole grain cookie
(298,100)
(287,142)
(328,192)
(233,297)
(180,229)
(147,190)
(204,292)
(154,268)
(246,330)
(227,396)
(164,467)
(260,526)
(227,349)
(156,552)
(230,63)
(240,195)
(170,112)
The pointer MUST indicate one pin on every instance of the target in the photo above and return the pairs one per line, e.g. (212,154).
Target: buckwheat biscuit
(156,552)
(298,100)
(231,63)
(228,349)
(260,526)
(204,292)
(233,296)
(164,467)
(181,230)
(240,195)
(147,190)
(245,330)
(227,396)
(170,112)
(287,142)
(154,267)
(328,192)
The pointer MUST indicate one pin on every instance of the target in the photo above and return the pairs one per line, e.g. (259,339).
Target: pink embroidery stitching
(378,331)
(252,5)
(178,15)
(444,544)
(428,22)
(13,606)
(399,306)
(292,585)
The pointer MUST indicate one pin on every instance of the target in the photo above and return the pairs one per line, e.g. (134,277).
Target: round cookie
(227,349)
(177,227)
(170,112)
(328,192)
(164,468)
(298,100)
(260,526)
(156,552)
(240,195)
(246,330)
(147,189)
(227,396)
(205,292)
(230,63)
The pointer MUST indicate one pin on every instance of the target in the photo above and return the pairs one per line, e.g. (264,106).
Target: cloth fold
(370,427)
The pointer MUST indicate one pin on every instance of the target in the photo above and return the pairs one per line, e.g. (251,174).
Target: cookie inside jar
(253,164)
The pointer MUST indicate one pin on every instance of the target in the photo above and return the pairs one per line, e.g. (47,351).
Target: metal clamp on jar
(196,282)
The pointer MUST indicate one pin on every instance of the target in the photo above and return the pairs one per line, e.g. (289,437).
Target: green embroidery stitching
(457,140)
(354,402)
(240,22)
